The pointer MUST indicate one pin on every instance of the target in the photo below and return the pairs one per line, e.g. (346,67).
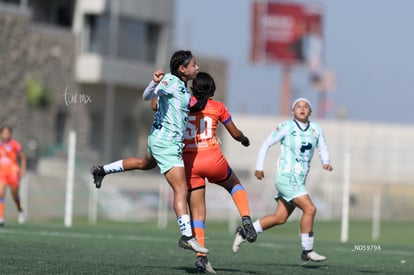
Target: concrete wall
(46,55)
(14,31)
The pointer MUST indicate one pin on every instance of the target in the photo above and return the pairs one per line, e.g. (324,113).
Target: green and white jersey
(170,120)
(297,147)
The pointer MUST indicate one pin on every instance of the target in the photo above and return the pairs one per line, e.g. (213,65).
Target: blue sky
(369,44)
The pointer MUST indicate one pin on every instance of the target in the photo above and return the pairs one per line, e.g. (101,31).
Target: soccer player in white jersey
(165,142)
(298,138)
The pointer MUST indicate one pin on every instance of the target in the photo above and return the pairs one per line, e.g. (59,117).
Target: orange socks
(198,232)
(1,210)
(239,196)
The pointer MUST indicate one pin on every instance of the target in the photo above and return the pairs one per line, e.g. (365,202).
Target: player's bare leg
(15,194)
(178,182)
(128,164)
(236,190)
(280,216)
(306,227)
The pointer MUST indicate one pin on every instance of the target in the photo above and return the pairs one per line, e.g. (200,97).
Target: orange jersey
(9,153)
(201,126)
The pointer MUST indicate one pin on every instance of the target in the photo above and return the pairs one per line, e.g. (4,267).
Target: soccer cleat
(98,174)
(203,265)
(240,237)
(249,230)
(21,217)
(192,244)
(312,256)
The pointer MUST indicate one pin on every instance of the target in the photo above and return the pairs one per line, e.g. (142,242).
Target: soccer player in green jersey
(165,142)
(298,138)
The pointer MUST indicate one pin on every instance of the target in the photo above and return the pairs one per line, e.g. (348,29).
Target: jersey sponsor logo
(179,153)
(157,125)
(183,90)
(305,147)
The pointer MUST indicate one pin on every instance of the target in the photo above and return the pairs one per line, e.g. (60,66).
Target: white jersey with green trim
(297,147)
(170,120)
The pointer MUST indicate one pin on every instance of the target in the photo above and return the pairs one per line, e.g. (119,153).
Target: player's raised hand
(327,167)
(158,75)
(259,174)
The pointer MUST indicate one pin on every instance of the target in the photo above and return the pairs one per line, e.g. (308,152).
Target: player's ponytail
(203,88)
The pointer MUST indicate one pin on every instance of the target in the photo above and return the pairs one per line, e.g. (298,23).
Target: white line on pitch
(80,235)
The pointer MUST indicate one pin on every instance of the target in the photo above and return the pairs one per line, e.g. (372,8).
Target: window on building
(54,12)
(136,40)
(17,2)
(97,34)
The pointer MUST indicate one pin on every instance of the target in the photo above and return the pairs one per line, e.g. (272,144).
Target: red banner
(287,33)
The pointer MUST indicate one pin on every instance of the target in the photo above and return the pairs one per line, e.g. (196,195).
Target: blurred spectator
(10,171)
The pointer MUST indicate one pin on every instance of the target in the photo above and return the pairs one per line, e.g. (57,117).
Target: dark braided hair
(177,59)
(203,88)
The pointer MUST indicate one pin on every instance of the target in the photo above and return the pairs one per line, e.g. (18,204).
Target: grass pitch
(142,248)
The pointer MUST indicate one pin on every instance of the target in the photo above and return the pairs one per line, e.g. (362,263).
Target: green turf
(142,248)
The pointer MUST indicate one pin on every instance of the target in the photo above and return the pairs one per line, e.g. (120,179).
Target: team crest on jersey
(8,147)
(164,82)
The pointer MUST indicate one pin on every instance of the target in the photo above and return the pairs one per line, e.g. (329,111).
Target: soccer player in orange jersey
(203,160)
(10,172)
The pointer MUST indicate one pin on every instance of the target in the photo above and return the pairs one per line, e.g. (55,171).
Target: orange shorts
(202,165)
(11,179)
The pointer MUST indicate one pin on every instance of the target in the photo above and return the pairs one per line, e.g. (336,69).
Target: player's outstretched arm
(237,134)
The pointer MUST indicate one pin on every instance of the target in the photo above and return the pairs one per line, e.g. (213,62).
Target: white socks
(114,167)
(307,241)
(257,227)
(185,225)
(306,238)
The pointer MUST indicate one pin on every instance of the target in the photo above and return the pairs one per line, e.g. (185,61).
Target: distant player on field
(298,138)
(203,160)
(10,172)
